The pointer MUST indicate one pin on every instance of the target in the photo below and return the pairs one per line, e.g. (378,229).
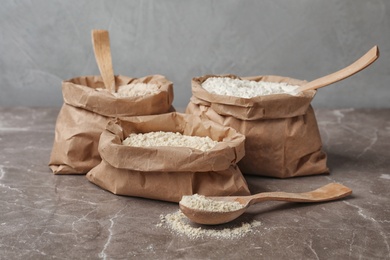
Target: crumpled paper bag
(282,135)
(86,111)
(168,173)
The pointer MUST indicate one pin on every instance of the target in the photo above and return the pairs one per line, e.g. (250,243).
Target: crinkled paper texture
(86,111)
(282,136)
(81,92)
(168,173)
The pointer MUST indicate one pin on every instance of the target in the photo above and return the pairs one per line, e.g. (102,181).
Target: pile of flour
(135,90)
(201,202)
(169,139)
(246,88)
(180,224)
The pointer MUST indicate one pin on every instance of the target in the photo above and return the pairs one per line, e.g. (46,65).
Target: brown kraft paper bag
(86,110)
(282,135)
(168,173)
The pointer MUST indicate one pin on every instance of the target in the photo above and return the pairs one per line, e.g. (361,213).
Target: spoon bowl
(211,217)
(328,192)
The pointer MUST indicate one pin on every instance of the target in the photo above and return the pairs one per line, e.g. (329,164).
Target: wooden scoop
(328,192)
(355,67)
(101,48)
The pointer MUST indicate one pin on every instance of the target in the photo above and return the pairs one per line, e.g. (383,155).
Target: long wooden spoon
(328,192)
(355,67)
(101,48)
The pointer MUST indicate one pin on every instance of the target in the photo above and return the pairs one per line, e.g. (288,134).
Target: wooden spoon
(101,48)
(355,67)
(328,192)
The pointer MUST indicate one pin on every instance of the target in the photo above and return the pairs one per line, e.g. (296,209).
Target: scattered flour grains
(246,88)
(181,225)
(169,139)
(201,202)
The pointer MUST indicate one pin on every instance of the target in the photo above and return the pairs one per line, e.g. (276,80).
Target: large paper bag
(86,110)
(282,136)
(168,173)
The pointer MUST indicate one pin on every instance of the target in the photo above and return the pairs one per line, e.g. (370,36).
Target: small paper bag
(86,110)
(282,136)
(165,172)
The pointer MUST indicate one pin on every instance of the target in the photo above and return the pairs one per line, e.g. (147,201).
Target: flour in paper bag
(135,90)
(161,138)
(246,88)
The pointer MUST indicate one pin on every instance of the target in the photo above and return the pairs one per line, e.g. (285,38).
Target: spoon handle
(328,192)
(355,67)
(101,48)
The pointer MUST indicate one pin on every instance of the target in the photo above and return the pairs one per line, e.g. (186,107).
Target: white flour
(246,88)
(135,90)
(169,139)
(201,202)
(180,224)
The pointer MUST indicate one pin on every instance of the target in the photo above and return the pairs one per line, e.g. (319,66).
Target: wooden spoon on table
(328,192)
(355,67)
(101,48)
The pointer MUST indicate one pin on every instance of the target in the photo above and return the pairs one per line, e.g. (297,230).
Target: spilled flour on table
(385,176)
(180,224)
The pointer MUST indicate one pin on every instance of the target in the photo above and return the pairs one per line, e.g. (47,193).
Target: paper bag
(86,110)
(168,173)
(282,136)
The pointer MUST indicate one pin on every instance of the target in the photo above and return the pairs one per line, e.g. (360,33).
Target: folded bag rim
(172,159)
(266,106)
(81,92)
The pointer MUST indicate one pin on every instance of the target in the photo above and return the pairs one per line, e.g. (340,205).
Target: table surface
(46,216)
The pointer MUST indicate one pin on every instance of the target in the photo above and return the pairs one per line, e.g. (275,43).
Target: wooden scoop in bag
(355,67)
(101,48)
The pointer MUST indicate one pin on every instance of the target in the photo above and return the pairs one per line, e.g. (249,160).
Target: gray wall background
(43,42)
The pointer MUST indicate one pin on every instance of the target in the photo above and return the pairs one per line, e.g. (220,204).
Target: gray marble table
(46,216)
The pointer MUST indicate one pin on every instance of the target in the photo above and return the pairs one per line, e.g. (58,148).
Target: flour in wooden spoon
(246,88)
(200,202)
